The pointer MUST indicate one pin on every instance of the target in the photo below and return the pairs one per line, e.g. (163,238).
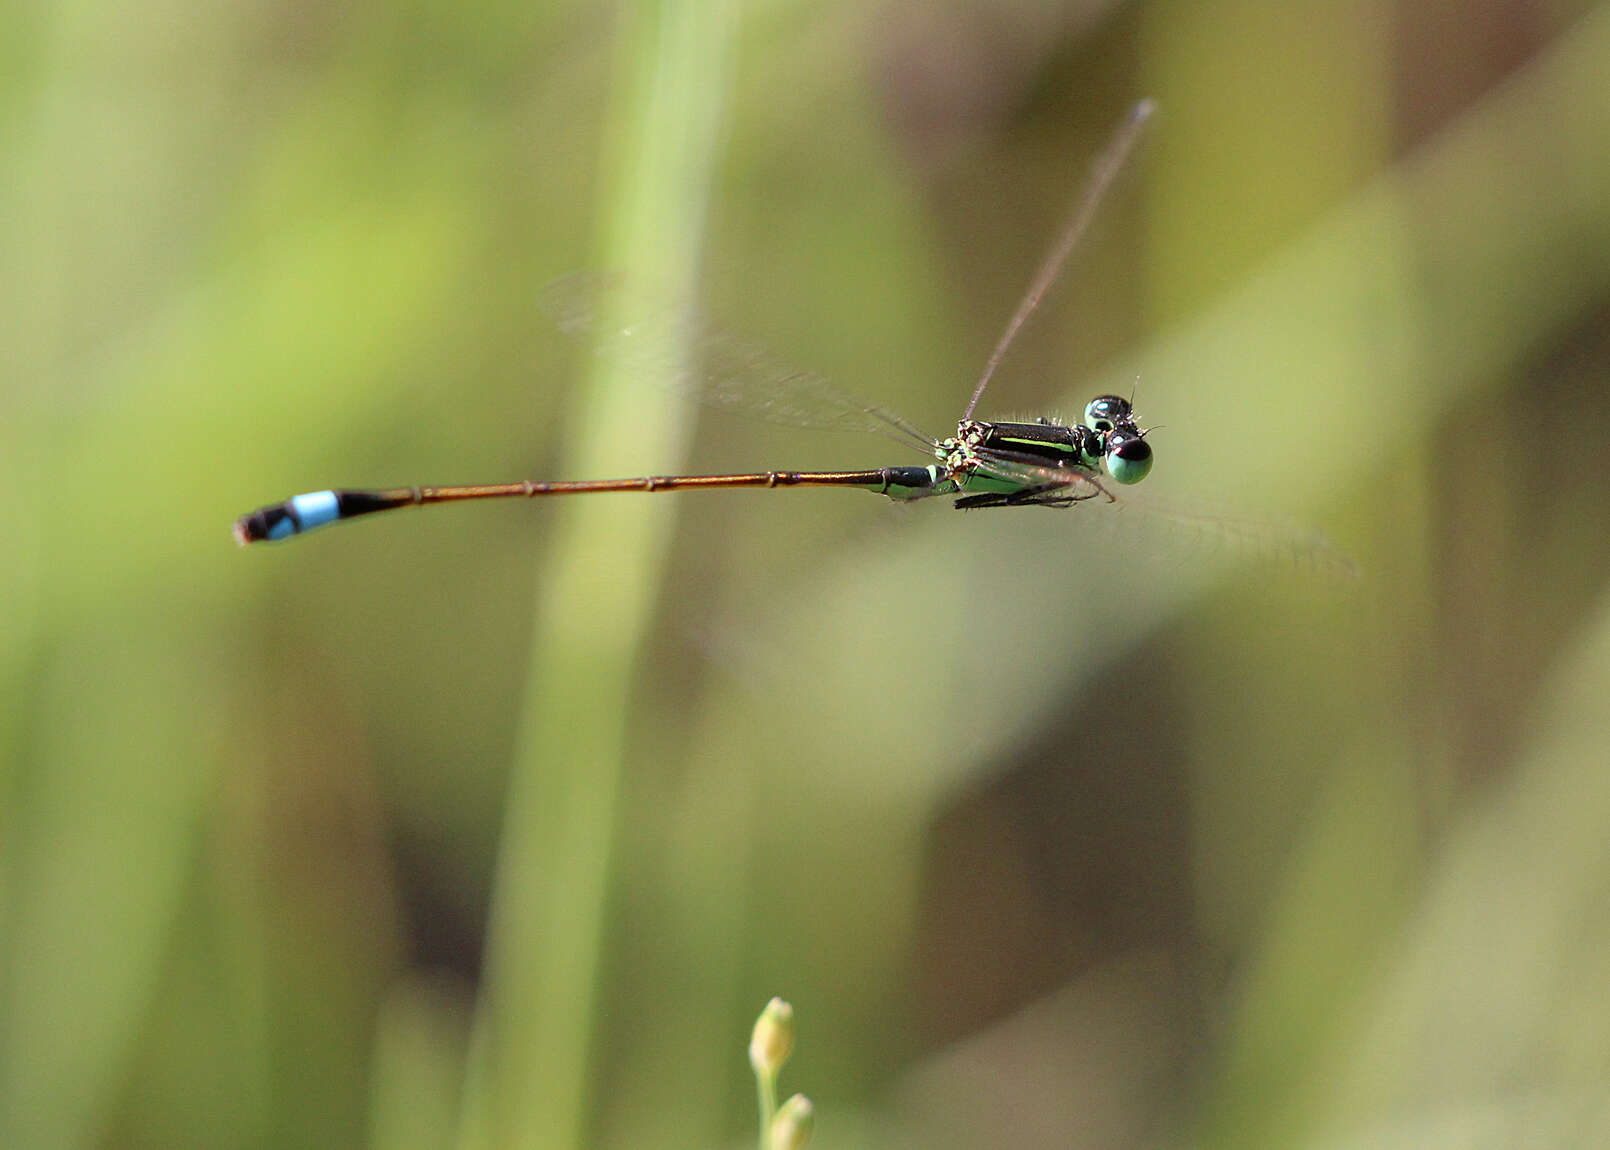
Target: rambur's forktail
(984,464)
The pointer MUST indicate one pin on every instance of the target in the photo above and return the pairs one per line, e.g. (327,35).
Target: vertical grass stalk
(528,1079)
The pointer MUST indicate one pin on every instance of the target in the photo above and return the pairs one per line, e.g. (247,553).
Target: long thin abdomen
(303,513)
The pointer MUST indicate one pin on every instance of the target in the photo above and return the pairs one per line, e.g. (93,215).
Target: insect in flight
(984,464)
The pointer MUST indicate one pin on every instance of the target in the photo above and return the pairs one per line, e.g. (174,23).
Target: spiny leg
(1034,497)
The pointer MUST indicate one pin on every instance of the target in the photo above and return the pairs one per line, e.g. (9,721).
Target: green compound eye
(1106,412)
(1129,457)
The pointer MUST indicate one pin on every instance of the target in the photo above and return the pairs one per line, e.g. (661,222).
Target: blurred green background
(496,825)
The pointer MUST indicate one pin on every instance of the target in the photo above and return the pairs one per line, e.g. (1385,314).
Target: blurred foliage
(495,826)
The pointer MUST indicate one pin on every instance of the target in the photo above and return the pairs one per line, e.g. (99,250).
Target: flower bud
(791,1129)
(773,1039)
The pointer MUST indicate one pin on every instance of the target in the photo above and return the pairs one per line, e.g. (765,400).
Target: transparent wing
(723,371)
(1075,482)
(1195,527)
(736,374)
(1186,528)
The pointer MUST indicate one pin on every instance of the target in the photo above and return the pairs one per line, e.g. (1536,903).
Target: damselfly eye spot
(1106,412)
(1129,456)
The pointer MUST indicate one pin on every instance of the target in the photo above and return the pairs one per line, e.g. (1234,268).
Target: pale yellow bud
(791,1129)
(773,1039)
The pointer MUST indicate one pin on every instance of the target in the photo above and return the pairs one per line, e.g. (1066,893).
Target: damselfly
(984,464)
